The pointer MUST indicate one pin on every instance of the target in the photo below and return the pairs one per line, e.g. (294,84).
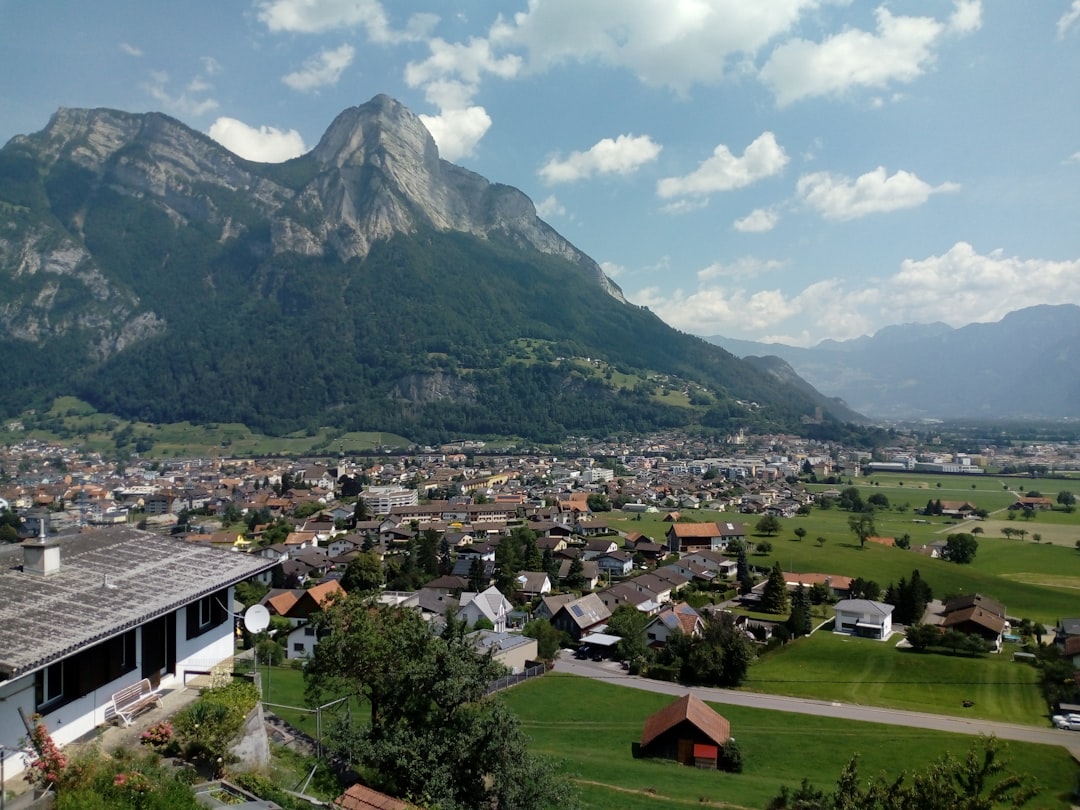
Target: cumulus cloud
(622,155)
(321,70)
(457,131)
(263,144)
(1068,19)
(317,16)
(677,43)
(966,17)
(743,268)
(759,220)
(550,207)
(840,198)
(130,50)
(685,206)
(612,270)
(1075,156)
(958,287)
(191,101)
(725,172)
(900,51)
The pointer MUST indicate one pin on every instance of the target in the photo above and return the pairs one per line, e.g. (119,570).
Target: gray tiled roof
(109,581)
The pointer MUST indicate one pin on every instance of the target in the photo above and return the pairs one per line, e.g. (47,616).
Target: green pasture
(1036,581)
(73,421)
(589,727)
(826,666)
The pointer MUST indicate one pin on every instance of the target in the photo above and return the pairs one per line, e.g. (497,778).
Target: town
(664,561)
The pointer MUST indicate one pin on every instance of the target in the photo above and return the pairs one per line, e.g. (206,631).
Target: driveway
(612,672)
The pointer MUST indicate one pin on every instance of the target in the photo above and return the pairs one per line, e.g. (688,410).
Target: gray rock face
(375,173)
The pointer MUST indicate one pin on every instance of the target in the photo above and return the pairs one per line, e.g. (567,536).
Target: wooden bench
(131,700)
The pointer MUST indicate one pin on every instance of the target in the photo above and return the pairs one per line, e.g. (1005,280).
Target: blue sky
(787,170)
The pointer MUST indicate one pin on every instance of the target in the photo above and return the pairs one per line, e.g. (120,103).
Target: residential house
(599,546)
(513,650)
(84,616)
(622,593)
(549,605)
(838,586)
(532,583)
(590,571)
(615,563)
(489,604)
(714,561)
(976,614)
(580,616)
(687,731)
(862,617)
(679,617)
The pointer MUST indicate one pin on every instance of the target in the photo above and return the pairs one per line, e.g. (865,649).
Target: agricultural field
(826,666)
(1036,581)
(589,727)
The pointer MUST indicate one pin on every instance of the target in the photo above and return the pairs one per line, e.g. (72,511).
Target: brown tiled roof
(695,529)
(688,707)
(360,797)
(978,615)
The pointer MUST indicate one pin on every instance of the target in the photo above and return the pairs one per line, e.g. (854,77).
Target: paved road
(613,673)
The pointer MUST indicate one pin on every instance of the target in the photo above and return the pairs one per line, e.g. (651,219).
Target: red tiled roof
(695,529)
(688,707)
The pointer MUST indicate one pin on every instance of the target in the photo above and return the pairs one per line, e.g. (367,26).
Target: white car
(1069,722)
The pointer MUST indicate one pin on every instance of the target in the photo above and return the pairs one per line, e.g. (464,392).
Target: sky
(786,171)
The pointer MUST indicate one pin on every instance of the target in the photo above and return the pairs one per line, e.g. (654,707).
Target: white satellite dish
(256,619)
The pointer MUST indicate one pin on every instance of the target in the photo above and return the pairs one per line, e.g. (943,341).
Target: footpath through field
(612,672)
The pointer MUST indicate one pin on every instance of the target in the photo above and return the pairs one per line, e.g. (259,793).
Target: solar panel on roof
(577,610)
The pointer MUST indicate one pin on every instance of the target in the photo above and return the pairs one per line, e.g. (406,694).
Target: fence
(513,680)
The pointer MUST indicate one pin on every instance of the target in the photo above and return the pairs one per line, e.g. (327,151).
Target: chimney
(41,555)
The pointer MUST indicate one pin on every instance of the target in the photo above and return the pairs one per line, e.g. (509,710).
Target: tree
(821,541)
(851,499)
(960,548)
(862,526)
(477,580)
(547,637)
(864,589)
(981,781)
(800,623)
(800,533)
(767,525)
(764,547)
(1068,500)
(508,563)
(628,623)
(922,636)
(1036,537)
(878,500)
(598,502)
(575,575)
(722,654)
(361,511)
(774,597)
(428,561)
(363,574)
(434,736)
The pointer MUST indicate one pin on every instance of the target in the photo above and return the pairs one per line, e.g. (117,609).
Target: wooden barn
(687,731)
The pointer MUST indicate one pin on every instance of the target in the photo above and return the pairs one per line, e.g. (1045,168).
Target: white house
(489,604)
(861,617)
(84,616)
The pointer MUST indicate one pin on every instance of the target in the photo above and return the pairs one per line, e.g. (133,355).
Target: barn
(687,731)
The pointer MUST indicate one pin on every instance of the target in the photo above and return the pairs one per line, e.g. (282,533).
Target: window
(207,613)
(50,685)
(298,646)
(309,631)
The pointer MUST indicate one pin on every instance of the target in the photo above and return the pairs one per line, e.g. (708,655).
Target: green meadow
(832,667)
(589,728)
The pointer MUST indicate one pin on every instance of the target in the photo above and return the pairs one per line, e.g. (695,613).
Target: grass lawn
(826,666)
(589,727)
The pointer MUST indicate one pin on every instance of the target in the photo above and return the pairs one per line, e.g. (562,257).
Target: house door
(686,752)
(159,647)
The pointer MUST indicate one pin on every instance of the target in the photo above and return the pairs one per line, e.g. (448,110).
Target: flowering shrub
(133,782)
(158,736)
(49,762)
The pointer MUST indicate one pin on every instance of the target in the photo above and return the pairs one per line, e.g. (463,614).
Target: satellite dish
(256,619)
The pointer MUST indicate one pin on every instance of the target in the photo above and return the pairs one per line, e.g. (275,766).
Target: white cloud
(685,206)
(960,286)
(317,16)
(550,207)
(900,51)
(1075,156)
(837,197)
(759,220)
(130,50)
(210,65)
(263,144)
(187,103)
(321,70)
(612,270)
(1068,18)
(743,268)
(622,155)
(966,17)
(456,132)
(725,172)
(673,43)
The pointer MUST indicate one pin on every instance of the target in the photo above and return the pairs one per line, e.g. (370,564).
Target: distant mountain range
(1027,365)
(365,285)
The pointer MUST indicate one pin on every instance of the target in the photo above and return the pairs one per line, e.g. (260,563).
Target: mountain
(1027,365)
(365,285)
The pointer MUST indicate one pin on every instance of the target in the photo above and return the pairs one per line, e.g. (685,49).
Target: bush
(662,672)
(208,726)
(730,758)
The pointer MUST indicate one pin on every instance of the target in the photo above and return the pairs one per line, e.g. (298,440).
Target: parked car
(1069,722)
